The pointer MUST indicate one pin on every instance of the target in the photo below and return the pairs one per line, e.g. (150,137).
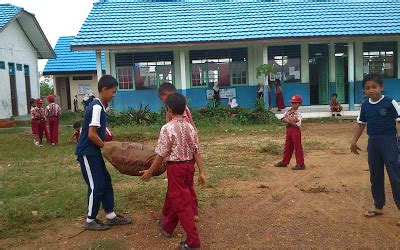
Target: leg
(40,132)
(288,151)
(190,184)
(377,177)
(108,196)
(298,147)
(391,158)
(56,126)
(94,176)
(51,125)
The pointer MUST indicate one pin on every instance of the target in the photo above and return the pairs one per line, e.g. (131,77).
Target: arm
(356,135)
(94,137)
(147,174)
(199,162)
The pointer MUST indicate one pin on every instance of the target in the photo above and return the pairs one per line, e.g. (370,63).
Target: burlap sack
(130,158)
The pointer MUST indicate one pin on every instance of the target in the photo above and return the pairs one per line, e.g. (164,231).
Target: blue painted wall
(392,88)
(133,98)
(291,89)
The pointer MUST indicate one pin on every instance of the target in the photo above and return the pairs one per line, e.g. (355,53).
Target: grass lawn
(39,185)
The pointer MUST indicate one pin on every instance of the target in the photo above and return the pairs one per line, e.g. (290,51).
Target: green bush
(141,116)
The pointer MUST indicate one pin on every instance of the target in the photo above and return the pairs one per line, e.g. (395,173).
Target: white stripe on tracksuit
(91,183)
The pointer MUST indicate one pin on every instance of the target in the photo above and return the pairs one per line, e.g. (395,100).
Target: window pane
(286,60)
(380,58)
(164,74)
(199,75)
(239,72)
(125,78)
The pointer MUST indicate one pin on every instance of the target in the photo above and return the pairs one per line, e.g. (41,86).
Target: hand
(202,180)
(354,149)
(146,175)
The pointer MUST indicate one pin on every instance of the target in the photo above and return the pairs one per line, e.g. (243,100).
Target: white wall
(16,48)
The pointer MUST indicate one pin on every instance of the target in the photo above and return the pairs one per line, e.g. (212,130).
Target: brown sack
(130,158)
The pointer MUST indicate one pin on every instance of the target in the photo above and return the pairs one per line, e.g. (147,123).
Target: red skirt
(279,101)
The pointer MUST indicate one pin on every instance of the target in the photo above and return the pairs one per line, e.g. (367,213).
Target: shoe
(333,115)
(280,164)
(118,220)
(183,245)
(96,225)
(53,144)
(338,115)
(167,235)
(299,167)
(36,143)
(40,145)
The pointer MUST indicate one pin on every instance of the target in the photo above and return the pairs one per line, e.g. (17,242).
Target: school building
(75,73)
(22,43)
(318,47)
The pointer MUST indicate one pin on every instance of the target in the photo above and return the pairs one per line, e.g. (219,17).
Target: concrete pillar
(332,62)
(358,60)
(351,69)
(305,68)
(112,65)
(183,76)
(107,60)
(266,87)
(98,65)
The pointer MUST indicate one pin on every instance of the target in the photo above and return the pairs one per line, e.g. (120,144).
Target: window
(149,69)
(287,61)
(19,67)
(124,75)
(223,66)
(2,65)
(82,78)
(380,58)
(26,70)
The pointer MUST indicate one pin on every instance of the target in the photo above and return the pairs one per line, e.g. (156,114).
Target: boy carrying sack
(178,145)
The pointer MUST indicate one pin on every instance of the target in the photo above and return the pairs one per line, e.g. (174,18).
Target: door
(323,80)
(340,78)
(27,88)
(68,89)
(13,89)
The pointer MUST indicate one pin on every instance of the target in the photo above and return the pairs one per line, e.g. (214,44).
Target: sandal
(372,213)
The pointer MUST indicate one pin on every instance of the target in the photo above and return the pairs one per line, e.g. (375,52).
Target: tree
(46,85)
(265,70)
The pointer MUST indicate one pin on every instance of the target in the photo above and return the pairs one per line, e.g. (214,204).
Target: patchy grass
(271,148)
(106,245)
(314,144)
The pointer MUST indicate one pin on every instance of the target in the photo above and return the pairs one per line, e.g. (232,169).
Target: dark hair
(166,87)
(334,94)
(278,82)
(177,103)
(77,124)
(372,77)
(32,101)
(107,82)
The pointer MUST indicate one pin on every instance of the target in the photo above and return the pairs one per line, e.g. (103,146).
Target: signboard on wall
(84,89)
(223,93)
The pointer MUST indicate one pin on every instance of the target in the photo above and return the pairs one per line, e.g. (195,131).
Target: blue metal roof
(68,61)
(119,22)
(7,12)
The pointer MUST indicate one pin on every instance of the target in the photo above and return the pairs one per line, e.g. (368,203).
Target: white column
(265,54)
(107,60)
(305,74)
(98,65)
(182,64)
(332,62)
(112,63)
(350,51)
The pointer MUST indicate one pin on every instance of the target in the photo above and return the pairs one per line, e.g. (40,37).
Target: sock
(111,215)
(89,220)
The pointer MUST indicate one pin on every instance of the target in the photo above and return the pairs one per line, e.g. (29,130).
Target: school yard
(247,203)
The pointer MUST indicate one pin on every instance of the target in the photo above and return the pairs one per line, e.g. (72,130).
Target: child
(33,122)
(88,150)
(380,113)
(335,106)
(39,121)
(280,103)
(178,146)
(166,89)
(293,118)
(77,127)
(53,112)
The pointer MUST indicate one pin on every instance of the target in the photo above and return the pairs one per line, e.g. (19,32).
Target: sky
(56,17)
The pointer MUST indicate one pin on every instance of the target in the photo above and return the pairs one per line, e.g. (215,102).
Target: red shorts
(34,126)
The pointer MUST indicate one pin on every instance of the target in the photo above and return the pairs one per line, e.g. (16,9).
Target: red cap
(50,98)
(296,99)
(38,101)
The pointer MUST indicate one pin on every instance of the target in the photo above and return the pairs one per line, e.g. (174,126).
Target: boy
(39,122)
(33,122)
(77,127)
(335,106)
(166,89)
(380,113)
(53,112)
(88,150)
(293,118)
(178,146)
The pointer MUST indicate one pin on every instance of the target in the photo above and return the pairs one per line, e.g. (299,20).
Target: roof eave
(230,42)
(55,73)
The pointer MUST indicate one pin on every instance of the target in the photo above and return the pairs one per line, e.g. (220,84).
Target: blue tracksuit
(100,190)
(383,148)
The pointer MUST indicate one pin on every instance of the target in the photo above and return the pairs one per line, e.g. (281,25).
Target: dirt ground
(321,207)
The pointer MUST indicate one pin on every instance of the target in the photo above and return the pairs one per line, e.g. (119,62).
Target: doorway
(319,73)
(13,89)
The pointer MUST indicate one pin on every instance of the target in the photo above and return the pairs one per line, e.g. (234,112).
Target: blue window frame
(2,65)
